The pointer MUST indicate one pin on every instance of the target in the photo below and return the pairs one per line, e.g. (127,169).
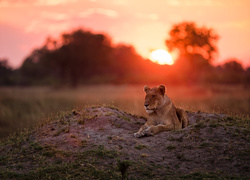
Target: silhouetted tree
(233,71)
(189,39)
(5,72)
(82,56)
(233,65)
(127,63)
(192,68)
(247,77)
(196,48)
(35,70)
(4,65)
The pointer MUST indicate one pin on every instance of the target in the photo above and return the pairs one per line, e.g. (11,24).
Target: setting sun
(161,57)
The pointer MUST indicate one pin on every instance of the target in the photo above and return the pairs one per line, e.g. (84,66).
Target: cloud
(25,3)
(214,3)
(53,2)
(151,16)
(189,2)
(54,16)
(102,11)
(235,24)
(173,2)
(175,18)
(15,3)
(32,26)
(41,25)
(4,4)
(120,2)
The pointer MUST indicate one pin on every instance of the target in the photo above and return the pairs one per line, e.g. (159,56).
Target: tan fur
(163,115)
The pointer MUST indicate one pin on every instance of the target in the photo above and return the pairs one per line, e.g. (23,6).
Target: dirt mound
(98,143)
(81,129)
(212,143)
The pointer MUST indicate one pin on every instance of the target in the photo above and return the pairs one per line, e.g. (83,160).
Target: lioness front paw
(148,132)
(139,134)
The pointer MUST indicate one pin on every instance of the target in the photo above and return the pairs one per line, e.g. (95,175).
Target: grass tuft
(140,146)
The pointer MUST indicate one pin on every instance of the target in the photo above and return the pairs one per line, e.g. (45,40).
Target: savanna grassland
(23,107)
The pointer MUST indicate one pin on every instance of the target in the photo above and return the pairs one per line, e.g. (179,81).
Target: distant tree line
(83,57)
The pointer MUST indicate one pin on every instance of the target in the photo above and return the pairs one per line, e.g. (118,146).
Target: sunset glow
(26,24)
(161,57)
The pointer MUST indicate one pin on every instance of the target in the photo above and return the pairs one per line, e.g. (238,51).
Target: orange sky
(25,24)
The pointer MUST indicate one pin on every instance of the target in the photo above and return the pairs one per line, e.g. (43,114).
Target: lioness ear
(162,89)
(146,89)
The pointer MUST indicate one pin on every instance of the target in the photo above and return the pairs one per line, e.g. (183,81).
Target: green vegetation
(199,125)
(204,145)
(140,146)
(197,176)
(171,147)
(50,163)
(123,167)
(47,162)
(124,118)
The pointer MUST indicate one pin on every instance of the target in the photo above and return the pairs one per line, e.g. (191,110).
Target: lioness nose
(146,105)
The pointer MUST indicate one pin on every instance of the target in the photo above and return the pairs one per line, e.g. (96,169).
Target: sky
(26,24)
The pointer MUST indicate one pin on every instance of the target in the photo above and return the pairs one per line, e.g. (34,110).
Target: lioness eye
(153,96)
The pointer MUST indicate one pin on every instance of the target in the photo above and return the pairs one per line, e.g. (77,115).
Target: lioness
(163,115)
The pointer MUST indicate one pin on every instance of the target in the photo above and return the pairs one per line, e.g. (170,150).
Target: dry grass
(24,107)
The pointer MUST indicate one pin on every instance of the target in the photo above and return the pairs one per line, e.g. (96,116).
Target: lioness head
(154,98)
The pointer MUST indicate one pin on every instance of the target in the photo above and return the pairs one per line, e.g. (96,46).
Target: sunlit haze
(25,24)
(161,57)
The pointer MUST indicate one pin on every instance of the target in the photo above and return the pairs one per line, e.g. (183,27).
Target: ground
(98,143)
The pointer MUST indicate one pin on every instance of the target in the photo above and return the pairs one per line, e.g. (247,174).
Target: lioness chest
(163,115)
